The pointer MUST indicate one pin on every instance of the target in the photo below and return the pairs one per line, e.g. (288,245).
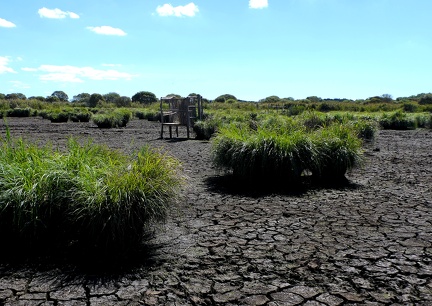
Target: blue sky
(249,48)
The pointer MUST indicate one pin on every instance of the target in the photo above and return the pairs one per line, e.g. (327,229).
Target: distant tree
(81,98)
(426,99)
(173,96)
(61,95)
(314,99)
(94,100)
(2,96)
(52,99)
(144,97)
(231,101)
(123,101)
(376,100)
(111,97)
(387,98)
(223,98)
(15,96)
(40,98)
(270,99)
(203,100)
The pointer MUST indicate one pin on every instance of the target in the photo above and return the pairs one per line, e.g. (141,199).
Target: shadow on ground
(233,185)
(82,262)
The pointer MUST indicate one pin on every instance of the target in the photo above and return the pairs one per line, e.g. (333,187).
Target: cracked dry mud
(369,243)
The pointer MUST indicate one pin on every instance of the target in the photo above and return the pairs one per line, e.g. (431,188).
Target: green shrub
(117,118)
(43,114)
(410,107)
(365,129)
(148,114)
(89,199)
(426,99)
(104,121)
(294,109)
(421,120)
(140,114)
(204,129)
(81,116)
(58,116)
(398,121)
(313,120)
(19,112)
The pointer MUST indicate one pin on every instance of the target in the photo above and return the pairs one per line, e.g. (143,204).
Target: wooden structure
(177,112)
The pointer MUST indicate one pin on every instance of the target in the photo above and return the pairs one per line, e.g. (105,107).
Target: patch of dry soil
(367,243)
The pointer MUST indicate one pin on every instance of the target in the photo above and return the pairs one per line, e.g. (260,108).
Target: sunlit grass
(89,196)
(112,119)
(282,149)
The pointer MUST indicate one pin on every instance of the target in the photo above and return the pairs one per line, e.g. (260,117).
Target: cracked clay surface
(366,244)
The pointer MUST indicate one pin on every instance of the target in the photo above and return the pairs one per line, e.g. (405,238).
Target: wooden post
(161,117)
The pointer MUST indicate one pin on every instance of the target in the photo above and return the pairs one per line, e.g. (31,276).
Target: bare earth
(369,243)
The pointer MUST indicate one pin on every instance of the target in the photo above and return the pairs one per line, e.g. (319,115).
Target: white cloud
(258,4)
(112,65)
(19,84)
(188,10)
(73,15)
(107,30)
(4,63)
(56,14)
(6,24)
(75,74)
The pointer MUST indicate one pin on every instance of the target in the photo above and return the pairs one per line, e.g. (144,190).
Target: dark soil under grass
(365,241)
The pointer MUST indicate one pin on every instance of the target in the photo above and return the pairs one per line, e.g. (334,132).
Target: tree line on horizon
(147,97)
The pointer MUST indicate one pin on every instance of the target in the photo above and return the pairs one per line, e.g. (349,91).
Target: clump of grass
(205,129)
(90,198)
(148,114)
(283,154)
(337,149)
(261,154)
(314,120)
(398,121)
(81,115)
(365,129)
(58,116)
(114,119)
(20,112)
(421,120)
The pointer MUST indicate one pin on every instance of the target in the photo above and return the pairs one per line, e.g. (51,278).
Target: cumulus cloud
(188,10)
(6,24)
(56,13)
(107,30)
(75,74)
(258,4)
(4,65)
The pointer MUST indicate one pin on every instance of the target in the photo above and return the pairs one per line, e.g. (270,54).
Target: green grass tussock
(20,112)
(115,119)
(398,121)
(337,149)
(281,149)
(80,115)
(89,199)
